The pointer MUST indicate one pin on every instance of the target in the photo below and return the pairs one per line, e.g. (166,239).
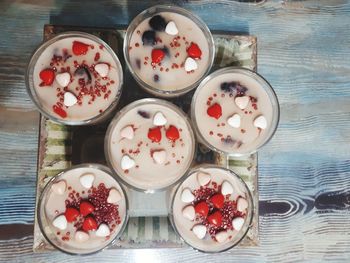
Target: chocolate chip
(156,78)
(144,114)
(157,23)
(149,38)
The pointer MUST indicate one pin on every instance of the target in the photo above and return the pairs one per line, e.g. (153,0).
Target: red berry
(47,76)
(215,219)
(59,111)
(194,51)
(215,111)
(202,208)
(86,208)
(155,134)
(79,48)
(157,55)
(172,133)
(218,200)
(89,224)
(71,214)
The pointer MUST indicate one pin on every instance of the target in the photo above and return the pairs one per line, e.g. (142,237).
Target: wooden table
(304,172)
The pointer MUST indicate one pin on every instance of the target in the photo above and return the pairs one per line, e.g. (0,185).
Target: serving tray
(62,146)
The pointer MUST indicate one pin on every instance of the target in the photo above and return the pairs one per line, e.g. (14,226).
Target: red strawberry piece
(71,214)
(157,55)
(202,208)
(89,224)
(80,48)
(59,111)
(215,111)
(172,133)
(194,51)
(86,208)
(47,76)
(215,218)
(155,134)
(218,200)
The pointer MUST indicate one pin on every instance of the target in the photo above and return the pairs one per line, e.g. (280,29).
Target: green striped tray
(56,143)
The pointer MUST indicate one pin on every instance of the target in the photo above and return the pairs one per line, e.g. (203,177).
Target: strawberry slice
(157,55)
(89,224)
(155,134)
(71,214)
(86,208)
(80,48)
(194,51)
(172,133)
(59,111)
(215,219)
(218,200)
(47,76)
(202,208)
(215,111)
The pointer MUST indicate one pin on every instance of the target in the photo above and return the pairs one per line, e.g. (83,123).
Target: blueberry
(228,140)
(157,23)
(83,72)
(138,63)
(241,90)
(166,51)
(144,114)
(156,78)
(233,86)
(149,38)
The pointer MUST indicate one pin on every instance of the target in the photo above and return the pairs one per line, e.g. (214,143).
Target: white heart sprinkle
(187,196)
(114,196)
(159,156)
(189,212)
(171,28)
(102,69)
(199,231)
(60,222)
(234,121)
(203,178)
(87,180)
(226,188)
(127,163)
(242,204)
(190,64)
(260,122)
(221,237)
(81,236)
(127,132)
(242,102)
(59,188)
(237,223)
(69,99)
(63,79)
(159,119)
(103,231)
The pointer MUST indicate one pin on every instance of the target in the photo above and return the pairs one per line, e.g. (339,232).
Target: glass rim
(53,179)
(173,9)
(31,89)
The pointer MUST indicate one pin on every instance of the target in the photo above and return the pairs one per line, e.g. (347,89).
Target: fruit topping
(63,79)
(69,99)
(194,51)
(79,48)
(89,224)
(172,133)
(215,111)
(215,218)
(159,119)
(149,38)
(157,23)
(144,114)
(171,28)
(155,134)
(202,208)
(87,180)
(59,111)
(157,55)
(71,214)
(83,73)
(47,77)
(217,200)
(86,208)
(233,86)
(156,77)
(127,163)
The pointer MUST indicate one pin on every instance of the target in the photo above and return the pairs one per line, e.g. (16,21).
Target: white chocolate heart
(234,121)
(63,79)
(171,28)
(102,69)
(260,122)
(87,180)
(226,188)
(127,163)
(199,231)
(242,204)
(127,132)
(81,236)
(237,223)
(60,222)
(114,196)
(189,212)
(221,237)
(242,102)
(103,231)
(69,99)
(59,188)
(203,178)
(159,119)
(187,196)
(159,156)
(190,64)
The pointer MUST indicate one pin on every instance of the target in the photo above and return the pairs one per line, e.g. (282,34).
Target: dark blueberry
(138,63)
(83,72)
(166,51)
(241,90)
(157,23)
(144,114)
(156,78)
(233,86)
(228,140)
(149,38)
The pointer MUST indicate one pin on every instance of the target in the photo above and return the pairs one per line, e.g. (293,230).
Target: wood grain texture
(304,172)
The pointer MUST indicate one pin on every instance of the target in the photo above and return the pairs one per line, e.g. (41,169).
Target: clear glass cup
(183,226)
(111,146)
(40,105)
(45,218)
(258,81)
(150,12)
